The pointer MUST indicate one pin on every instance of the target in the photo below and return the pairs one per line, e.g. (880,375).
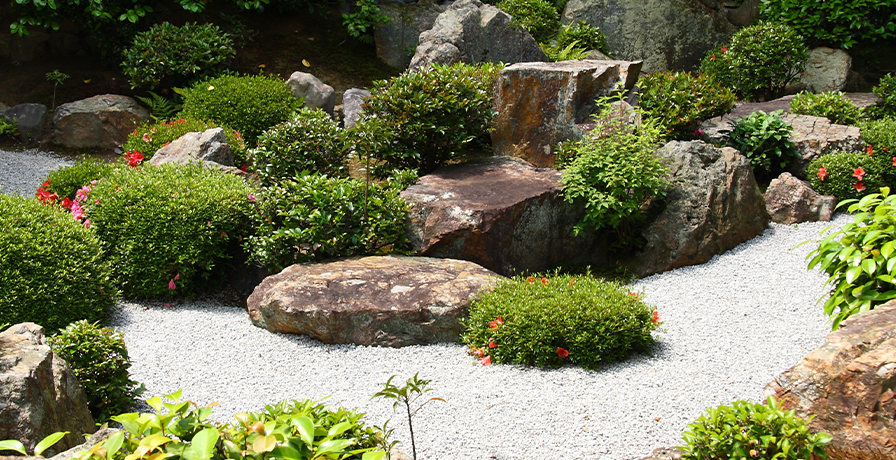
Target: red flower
(66,203)
(869,150)
(713,58)
(858,173)
(493,324)
(544,281)
(562,352)
(492,345)
(530,280)
(823,172)
(655,318)
(894,161)
(572,281)
(724,49)
(487,361)
(478,352)
(500,320)
(244,168)
(859,186)
(134,158)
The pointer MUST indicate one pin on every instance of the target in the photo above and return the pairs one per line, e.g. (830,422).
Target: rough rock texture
(30,119)
(665,34)
(387,301)
(539,104)
(826,70)
(96,122)
(402,33)
(207,146)
(39,393)
(317,94)
(472,32)
(817,136)
(791,201)
(849,383)
(712,206)
(95,438)
(502,214)
(353,105)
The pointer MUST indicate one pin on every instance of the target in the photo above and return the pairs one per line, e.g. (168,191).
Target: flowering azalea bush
(850,175)
(149,138)
(554,319)
(65,182)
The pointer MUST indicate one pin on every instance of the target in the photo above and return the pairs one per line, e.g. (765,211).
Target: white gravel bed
(24,171)
(731,325)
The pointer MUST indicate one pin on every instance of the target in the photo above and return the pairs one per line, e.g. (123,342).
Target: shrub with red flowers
(149,138)
(850,175)
(65,182)
(553,319)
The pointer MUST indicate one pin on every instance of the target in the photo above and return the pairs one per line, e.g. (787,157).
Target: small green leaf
(13,445)
(47,442)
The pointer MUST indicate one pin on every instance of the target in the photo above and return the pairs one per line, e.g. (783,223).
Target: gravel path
(22,172)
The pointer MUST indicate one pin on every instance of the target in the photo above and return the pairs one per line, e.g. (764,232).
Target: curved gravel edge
(24,171)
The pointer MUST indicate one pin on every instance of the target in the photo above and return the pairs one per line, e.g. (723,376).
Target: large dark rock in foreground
(501,213)
(849,384)
(388,301)
(712,205)
(39,393)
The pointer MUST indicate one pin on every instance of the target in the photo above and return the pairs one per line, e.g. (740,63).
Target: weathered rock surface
(826,70)
(540,104)
(402,33)
(353,105)
(30,119)
(848,383)
(712,206)
(502,214)
(817,136)
(791,201)
(209,146)
(95,438)
(387,301)
(97,122)
(472,32)
(317,94)
(665,34)
(39,393)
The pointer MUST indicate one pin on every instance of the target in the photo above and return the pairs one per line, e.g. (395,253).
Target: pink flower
(823,172)
(698,132)
(252,198)
(562,352)
(487,361)
(478,352)
(147,138)
(168,305)
(81,194)
(87,223)
(171,285)
(177,276)
(860,187)
(858,173)
(77,211)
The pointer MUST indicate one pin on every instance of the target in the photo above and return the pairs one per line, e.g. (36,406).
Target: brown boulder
(39,393)
(849,384)
(540,104)
(97,122)
(387,301)
(501,213)
(791,201)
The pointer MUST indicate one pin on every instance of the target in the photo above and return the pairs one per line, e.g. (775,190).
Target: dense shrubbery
(746,430)
(248,104)
(51,267)
(311,141)
(836,23)
(66,181)
(555,319)
(315,217)
(881,134)
(831,105)
(165,228)
(434,115)
(166,55)
(849,175)
(539,17)
(585,36)
(886,91)
(99,359)
(680,101)
(764,138)
(150,138)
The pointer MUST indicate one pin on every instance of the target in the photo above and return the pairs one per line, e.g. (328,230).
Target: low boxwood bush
(860,257)
(99,359)
(886,91)
(165,228)
(311,141)
(167,55)
(249,104)
(831,105)
(539,17)
(149,138)
(851,175)
(51,268)
(764,138)
(881,134)
(437,114)
(314,217)
(679,101)
(835,23)
(66,181)
(549,320)
(746,430)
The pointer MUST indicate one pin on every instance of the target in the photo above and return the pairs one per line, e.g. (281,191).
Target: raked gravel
(730,326)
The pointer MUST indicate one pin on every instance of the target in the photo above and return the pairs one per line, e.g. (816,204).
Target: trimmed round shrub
(836,23)
(585,35)
(314,217)
(831,105)
(881,134)
(165,228)
(437,114)
(249,104)
(51,267)
(149,138)
(553,319)
(886,91)
(764,138)
(167,55)
(679,101)
(851,175)
(747,430)
(66,181)
(311,141)
(99,359)
(539,17)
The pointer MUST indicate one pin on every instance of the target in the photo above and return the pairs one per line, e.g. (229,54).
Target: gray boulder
(394,39)
(209,146)
(665,34)
(30,119)
(97,122)
(826,70)
(817,136)
(317,94)
(791,201)
(472,32)
(712,205)
(353,105)
(39,393)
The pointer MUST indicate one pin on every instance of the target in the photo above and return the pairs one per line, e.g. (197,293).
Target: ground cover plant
(852,175)
(310,141)
(832,105)
(679,101)
(149,138)
(553,319)
(764,138)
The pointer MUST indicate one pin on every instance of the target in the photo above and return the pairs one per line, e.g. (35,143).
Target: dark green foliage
(539,17)
(717,66)
(248,104)
(436,114)
(680,101)
(100,361)
(838,173)
(886,91)
(8,127)
(51,269)
(311,141)
(587,37)
(881,134)
(315,217)
(361,20)
(558,318)
(835,23)
(166,55)
(168,226)
(149,138)
(65,181)
(746,430)
(832,105)
(764,138)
